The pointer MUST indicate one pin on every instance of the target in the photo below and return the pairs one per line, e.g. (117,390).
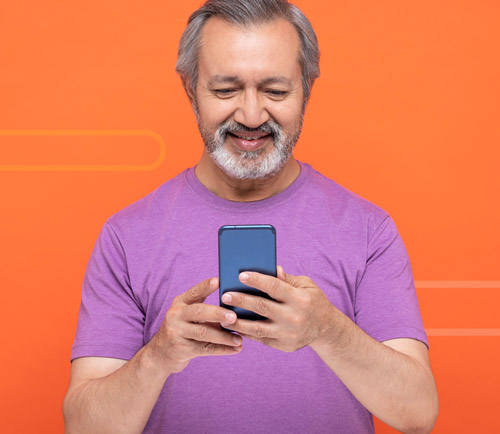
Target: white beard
(249,164)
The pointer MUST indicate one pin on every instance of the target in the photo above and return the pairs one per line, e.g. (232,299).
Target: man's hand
(191,329)
(301,314)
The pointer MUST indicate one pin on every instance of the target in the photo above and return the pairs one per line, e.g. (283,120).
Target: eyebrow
(223,79)
(233,79)
(275,80)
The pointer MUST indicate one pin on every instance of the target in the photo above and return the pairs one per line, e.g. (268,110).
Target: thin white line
(463,332)
(460,284)
(84,167)
(467,284)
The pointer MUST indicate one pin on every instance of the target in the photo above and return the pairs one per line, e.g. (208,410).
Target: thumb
(287,278)
(198,293)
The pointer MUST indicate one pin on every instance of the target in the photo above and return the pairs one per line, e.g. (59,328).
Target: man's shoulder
(151,207)
(340,198)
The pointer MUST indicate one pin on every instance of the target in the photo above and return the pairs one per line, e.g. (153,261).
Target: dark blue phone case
(245,248)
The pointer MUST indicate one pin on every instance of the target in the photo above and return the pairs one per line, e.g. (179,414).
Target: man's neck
(215,180)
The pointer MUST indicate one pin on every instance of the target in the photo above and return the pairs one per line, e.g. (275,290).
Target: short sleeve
(111,321)
(386,305)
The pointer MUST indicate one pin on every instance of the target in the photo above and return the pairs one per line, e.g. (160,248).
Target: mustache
(231,126)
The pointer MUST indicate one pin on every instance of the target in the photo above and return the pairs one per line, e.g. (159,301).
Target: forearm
(118,403)
(393,386)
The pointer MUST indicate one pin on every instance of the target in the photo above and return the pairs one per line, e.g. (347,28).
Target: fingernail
(244,276)
(237,340)
(226,298)
(230,316)
(213,282)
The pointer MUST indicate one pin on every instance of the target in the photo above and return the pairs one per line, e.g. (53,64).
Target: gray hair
(243,13)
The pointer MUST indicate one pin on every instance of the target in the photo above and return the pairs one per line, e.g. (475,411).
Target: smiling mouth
(249,137)
(249,141)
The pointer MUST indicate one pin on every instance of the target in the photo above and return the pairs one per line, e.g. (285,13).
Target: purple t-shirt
(163,244)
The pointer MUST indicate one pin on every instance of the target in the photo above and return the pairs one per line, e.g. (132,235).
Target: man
(344,338)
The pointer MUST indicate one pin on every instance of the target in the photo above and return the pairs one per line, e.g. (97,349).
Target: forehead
(249,52)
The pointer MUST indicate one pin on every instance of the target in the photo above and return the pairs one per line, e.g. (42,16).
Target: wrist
(154,359)
(333,333)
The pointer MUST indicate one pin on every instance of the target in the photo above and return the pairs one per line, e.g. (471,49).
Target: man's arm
(115,396)
(392,380)
(111,395)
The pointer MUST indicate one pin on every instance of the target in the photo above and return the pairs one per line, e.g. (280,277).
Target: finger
(208,334)
(280,273)
(254,329)
(271,285)
(270,342)
(198,293)
(288,278)
(201,313)
(211,349)
(260,305)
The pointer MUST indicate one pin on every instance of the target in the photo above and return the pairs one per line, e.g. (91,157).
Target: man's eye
(277,93)
(224,92)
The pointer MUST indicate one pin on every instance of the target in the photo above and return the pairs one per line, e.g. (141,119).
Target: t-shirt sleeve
(111,321)
(386,301)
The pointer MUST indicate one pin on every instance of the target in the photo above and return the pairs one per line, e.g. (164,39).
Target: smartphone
(245,248)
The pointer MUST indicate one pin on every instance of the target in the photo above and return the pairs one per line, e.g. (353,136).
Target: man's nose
(251,110)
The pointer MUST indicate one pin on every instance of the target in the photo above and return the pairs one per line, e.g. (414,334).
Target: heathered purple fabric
(165,243)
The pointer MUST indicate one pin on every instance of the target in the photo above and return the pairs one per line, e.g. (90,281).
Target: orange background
(93,117)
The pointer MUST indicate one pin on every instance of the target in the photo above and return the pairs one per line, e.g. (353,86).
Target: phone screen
(245,248)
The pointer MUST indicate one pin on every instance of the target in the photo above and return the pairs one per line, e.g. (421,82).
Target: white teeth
(248,138)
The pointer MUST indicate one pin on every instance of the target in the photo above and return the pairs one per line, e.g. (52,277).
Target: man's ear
(189,90)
